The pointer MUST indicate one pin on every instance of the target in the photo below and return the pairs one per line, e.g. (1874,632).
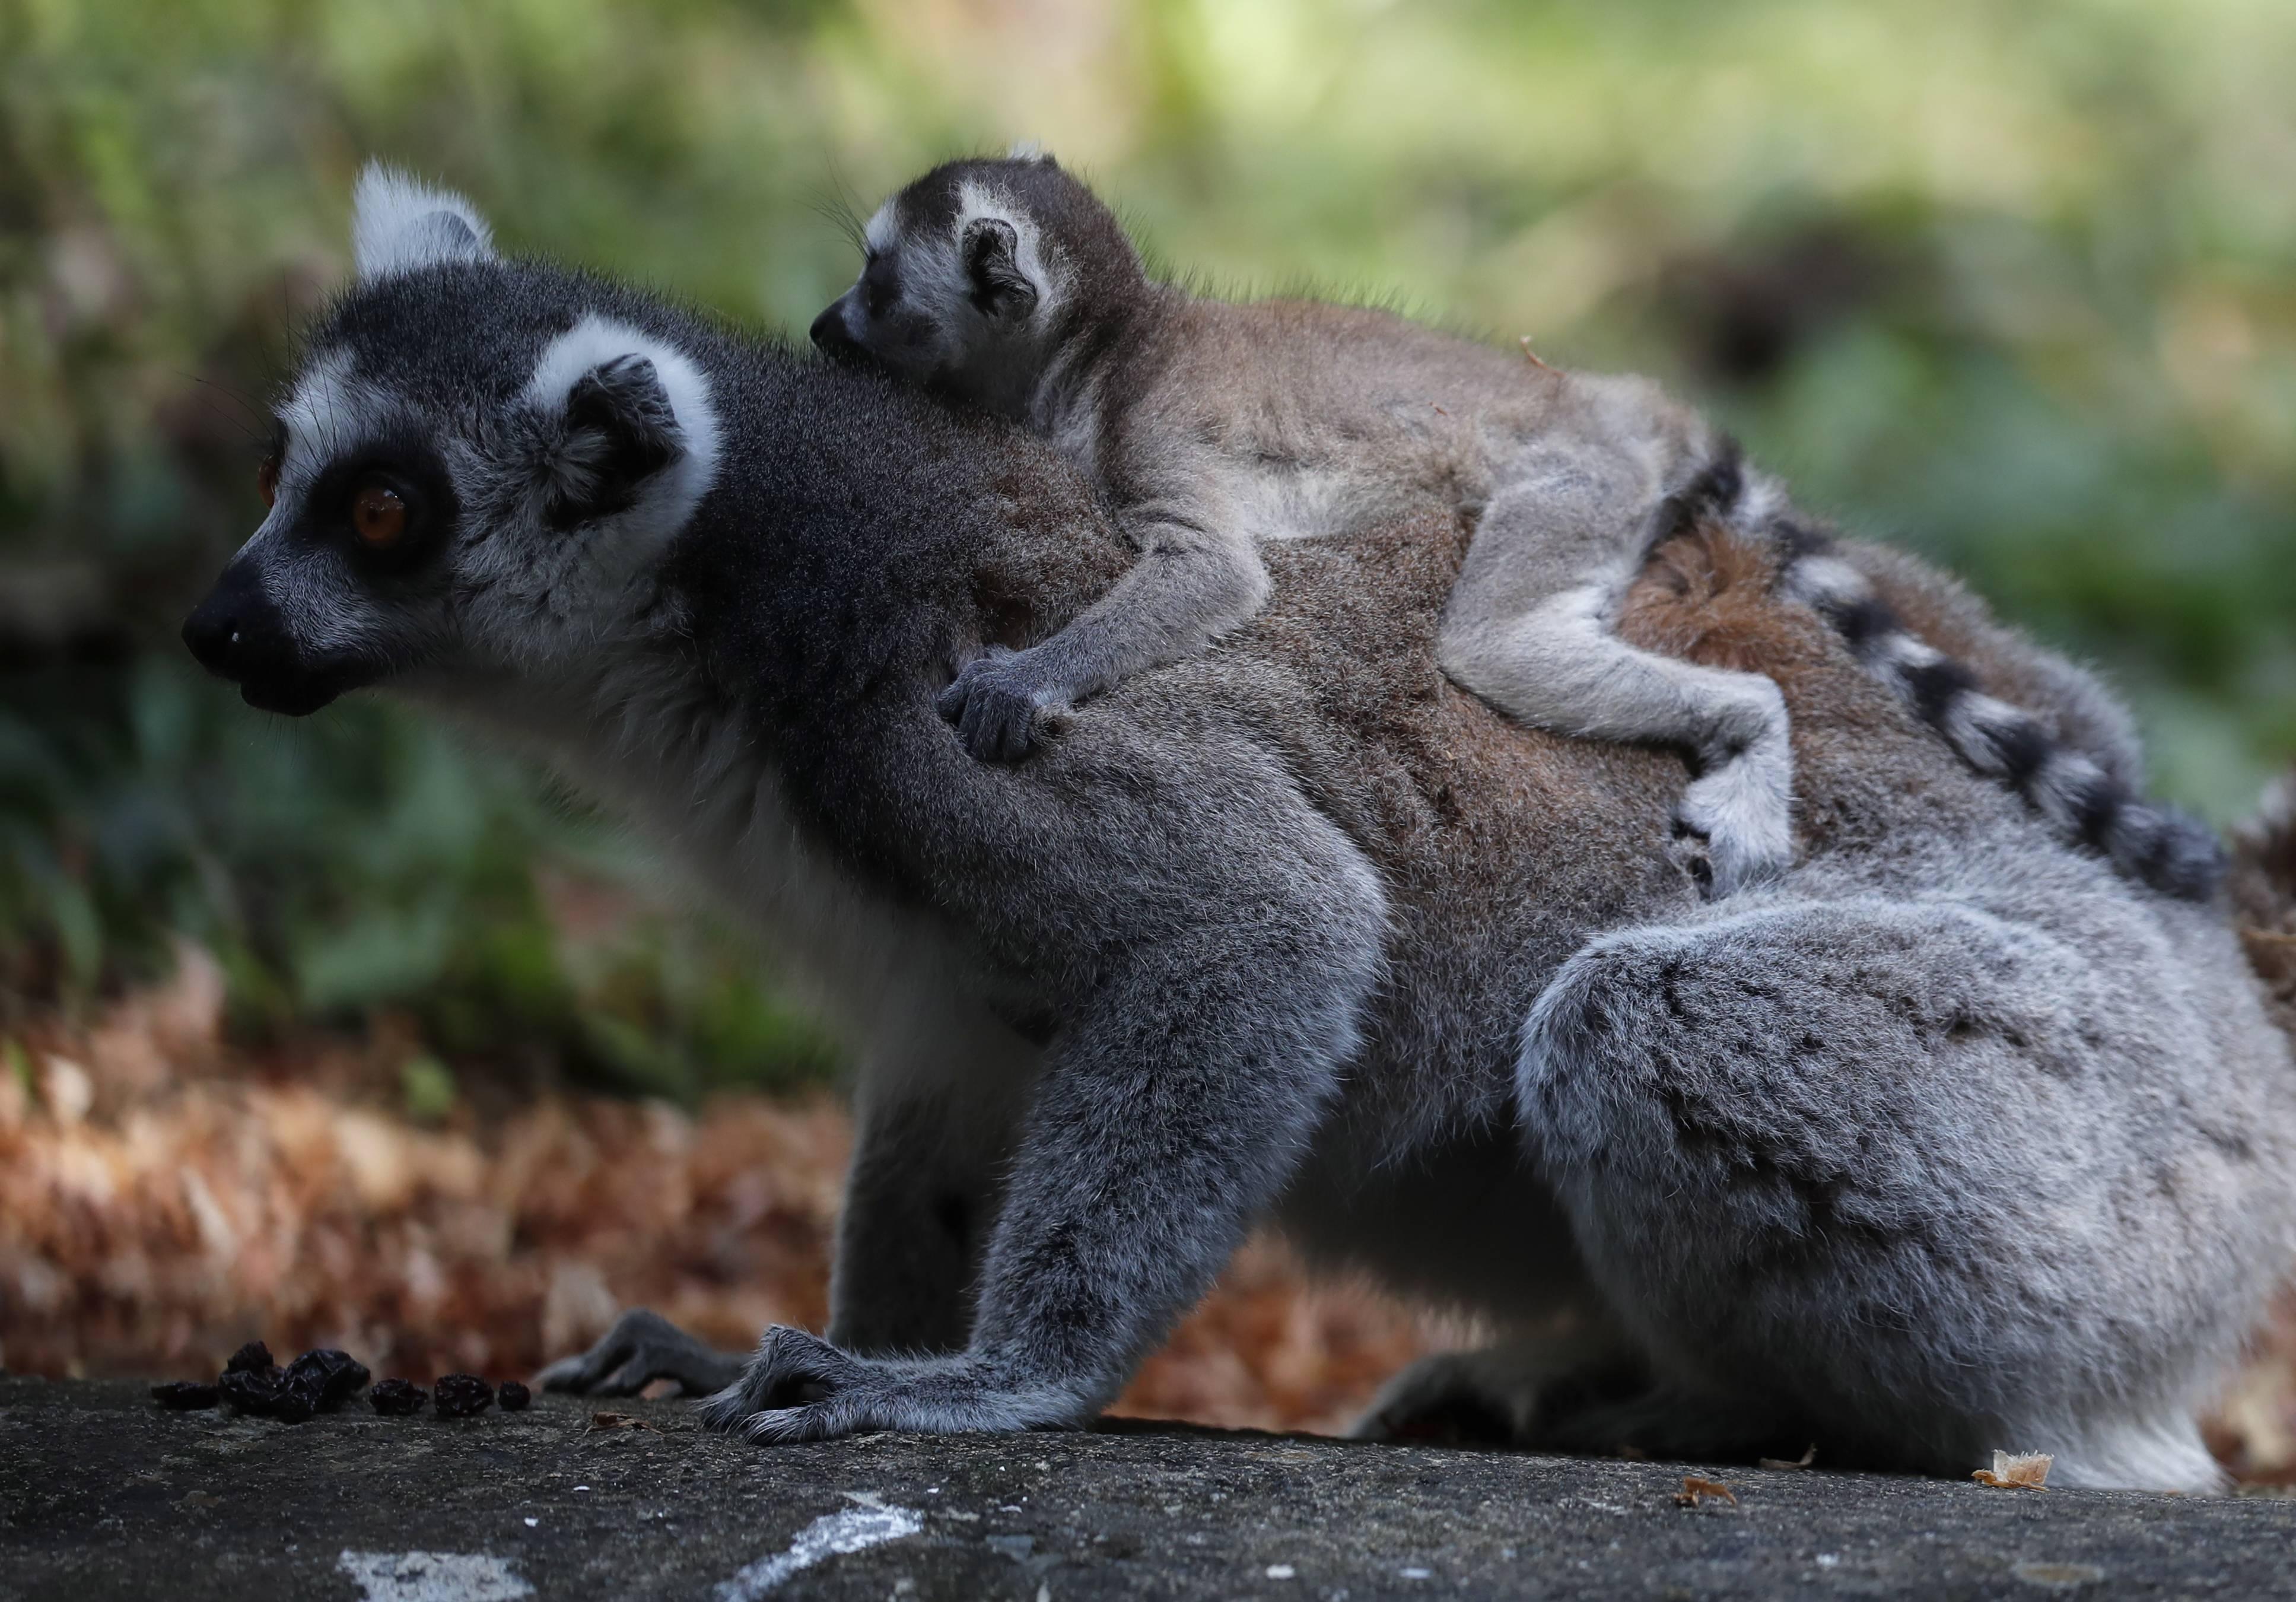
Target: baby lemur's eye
(881,285)
(378,516)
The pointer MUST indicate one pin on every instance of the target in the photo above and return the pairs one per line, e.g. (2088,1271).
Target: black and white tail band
(2156,845)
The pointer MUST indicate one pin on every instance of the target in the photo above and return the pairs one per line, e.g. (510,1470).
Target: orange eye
(378,517)
(266,479)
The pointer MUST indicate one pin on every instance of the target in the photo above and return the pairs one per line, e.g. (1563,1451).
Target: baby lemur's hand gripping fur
(1218,429)
(1951,1140)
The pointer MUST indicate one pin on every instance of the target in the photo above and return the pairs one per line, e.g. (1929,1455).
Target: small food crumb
(1417,1573)
(397,1398)
(262,1391)
(325,1379)
(533,1523)
(1696,1490)
(512,1396)
(185,1395)
(463,1395)
(254,1357)
(1280,1571)
(319,1381)
(2015,1471)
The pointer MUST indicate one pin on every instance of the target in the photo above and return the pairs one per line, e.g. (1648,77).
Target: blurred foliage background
(2013,286)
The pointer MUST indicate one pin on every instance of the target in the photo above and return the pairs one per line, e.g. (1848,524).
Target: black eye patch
(412,470)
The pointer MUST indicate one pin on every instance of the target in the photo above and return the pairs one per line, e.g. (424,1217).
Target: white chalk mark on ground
(432,1577)
(854,1530)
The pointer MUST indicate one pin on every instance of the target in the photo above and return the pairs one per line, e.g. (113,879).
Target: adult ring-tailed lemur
(1219,428)
(1950,1139)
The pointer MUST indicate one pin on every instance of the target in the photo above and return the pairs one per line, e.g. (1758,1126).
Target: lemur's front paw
(1745,814)
(642,1347)
(799,1387)
(1000,701)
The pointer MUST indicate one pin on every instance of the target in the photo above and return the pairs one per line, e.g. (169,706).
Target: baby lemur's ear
(991,251)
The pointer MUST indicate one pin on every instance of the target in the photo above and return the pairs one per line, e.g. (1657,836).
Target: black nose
(829,333)
(236,631)
(215,633)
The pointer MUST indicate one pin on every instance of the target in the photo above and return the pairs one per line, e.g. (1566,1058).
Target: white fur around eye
(399,224)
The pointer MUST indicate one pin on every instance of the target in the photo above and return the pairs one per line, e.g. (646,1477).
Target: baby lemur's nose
(829,333)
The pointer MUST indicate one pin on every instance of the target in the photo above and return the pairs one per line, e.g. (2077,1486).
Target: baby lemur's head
(980,275)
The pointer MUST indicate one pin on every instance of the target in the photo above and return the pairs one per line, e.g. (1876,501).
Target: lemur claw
(799,1387)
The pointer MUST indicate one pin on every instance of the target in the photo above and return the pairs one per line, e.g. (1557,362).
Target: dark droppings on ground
(463,1395)
(320,1381)
(254,1357)
(397,1398)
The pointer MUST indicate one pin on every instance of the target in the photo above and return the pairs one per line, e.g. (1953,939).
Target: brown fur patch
(2263,885)
(1706,595)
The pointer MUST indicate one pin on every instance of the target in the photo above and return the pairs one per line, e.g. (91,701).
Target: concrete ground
(104,1495)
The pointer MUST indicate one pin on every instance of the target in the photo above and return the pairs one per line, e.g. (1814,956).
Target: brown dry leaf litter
(2016,1471)
(163,1198)
(1695,1491)
(1808,1457)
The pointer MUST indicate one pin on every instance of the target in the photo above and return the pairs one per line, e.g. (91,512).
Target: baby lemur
(1214,427)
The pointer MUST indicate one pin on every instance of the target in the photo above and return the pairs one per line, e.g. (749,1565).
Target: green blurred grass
(2011,286)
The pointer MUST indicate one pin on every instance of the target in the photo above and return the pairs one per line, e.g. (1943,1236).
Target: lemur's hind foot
(1564,1396)
(1516,1393)
(1744,810)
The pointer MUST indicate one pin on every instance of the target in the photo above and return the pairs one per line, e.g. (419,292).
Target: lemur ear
(620,429)
(991,251)
(399,224)
(623,426)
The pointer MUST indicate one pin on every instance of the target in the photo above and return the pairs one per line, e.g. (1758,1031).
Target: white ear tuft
(399,224)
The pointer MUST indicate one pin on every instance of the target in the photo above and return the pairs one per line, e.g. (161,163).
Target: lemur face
(956,286)
(446,507)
